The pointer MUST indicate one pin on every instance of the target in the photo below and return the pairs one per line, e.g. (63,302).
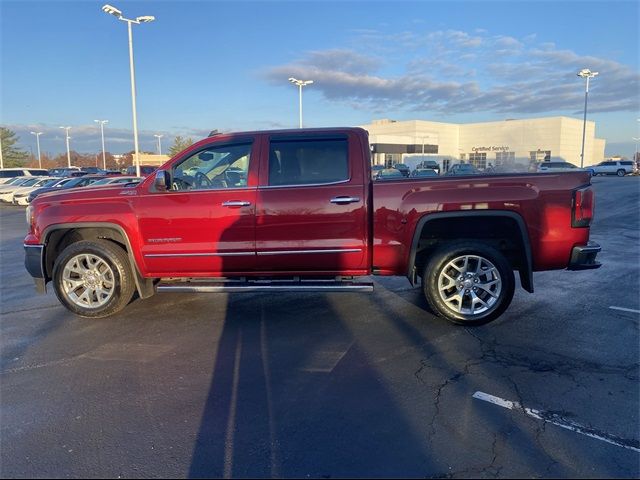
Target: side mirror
(162,181)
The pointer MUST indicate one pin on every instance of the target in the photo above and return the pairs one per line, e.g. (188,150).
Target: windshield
(15,181)
(51,182)
(109,181)
(31,181)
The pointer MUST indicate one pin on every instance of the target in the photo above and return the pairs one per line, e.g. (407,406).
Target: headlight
(29,214)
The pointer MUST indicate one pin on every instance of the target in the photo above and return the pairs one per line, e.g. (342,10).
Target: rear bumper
(583,257)
(34,263)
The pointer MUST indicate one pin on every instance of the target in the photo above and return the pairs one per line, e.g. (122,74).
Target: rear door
(311,204)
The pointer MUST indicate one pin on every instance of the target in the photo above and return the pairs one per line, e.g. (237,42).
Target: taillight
(582,210)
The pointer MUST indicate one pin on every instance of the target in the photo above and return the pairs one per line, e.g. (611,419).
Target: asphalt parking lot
(330,385)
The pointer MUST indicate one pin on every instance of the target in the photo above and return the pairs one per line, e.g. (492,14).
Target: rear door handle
(341,200)
(235,203)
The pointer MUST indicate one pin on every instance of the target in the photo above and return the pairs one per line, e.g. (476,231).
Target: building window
(540,156)
(478,160)
(463,156)
(505,157)
(391,159)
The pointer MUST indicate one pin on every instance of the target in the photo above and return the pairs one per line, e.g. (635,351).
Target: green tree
(179,144)
(12,156)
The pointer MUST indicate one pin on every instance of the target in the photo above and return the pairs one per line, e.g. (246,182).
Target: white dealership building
(509,142)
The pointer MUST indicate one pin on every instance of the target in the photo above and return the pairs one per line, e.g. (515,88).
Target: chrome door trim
(294,252)
(225,254)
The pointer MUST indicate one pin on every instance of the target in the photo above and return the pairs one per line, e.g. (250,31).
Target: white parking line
(560,421)
(625,309)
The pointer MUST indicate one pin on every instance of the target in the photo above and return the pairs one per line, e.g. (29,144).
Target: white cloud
(449,71)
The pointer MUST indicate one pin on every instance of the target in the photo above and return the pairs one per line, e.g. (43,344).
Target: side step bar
(263,286)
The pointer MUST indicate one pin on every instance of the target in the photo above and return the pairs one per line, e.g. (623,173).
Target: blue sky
(205,65)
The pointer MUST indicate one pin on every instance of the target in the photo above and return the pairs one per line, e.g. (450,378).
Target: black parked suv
(429,164)
(402,168)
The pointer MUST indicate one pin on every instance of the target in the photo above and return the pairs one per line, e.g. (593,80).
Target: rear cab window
(312,161)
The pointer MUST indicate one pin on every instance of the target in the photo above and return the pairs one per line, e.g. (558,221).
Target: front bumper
(583,257)
(34,263)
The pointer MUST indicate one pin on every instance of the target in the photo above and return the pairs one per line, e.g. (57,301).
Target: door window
(214,168)
(308,162)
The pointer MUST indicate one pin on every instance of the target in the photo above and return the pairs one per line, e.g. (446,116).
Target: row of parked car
(21,185)
(431,168)
(22,190)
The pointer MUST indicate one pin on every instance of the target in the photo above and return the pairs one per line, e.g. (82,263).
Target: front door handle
(343,200)
(235,203)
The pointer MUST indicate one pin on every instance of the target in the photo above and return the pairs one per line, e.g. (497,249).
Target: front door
(205,224)
(311,206)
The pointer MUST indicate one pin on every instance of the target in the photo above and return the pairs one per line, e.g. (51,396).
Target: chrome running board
(261,285)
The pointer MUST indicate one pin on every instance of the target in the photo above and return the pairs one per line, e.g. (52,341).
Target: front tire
(468,282)
(621,173)
(93,278)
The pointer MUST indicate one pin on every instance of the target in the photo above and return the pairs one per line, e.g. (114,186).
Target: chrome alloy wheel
(88,281)
(469,285)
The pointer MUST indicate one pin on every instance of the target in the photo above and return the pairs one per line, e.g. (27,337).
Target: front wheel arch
(58,236)
(93,278)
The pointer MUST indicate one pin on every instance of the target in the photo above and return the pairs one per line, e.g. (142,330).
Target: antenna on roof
(214,133)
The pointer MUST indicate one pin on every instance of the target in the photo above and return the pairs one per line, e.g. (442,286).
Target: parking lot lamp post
(37,134)
(138,20)
(1,160)
(300,84)
(586,74)
(104,158)
(66,129)
(159,144)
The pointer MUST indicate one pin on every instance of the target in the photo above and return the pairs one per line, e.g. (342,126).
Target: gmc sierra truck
(297,210)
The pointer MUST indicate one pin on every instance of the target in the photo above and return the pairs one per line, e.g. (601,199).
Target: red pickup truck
(298,210)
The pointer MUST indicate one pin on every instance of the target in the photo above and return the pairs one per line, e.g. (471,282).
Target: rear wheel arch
(428,235)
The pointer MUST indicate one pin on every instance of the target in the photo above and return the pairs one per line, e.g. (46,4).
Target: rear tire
(621,173)
(93,278)
(468,282)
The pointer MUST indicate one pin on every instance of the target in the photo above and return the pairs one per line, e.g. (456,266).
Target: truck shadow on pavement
(293,396)
(331,395)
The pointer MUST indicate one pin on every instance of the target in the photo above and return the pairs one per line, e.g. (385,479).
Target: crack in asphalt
(22,310)
(560,364)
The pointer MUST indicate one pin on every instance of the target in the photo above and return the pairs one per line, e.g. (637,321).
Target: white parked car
(6,193)
(613,167)
(13,182)
(21,195)
(553,167)
(7,174)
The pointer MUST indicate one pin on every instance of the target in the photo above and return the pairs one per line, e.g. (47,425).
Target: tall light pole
(159,144)
(138,20)
(1,160)
(37,134)
(104,158)
(66,129)
(300,84)
(586,74)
